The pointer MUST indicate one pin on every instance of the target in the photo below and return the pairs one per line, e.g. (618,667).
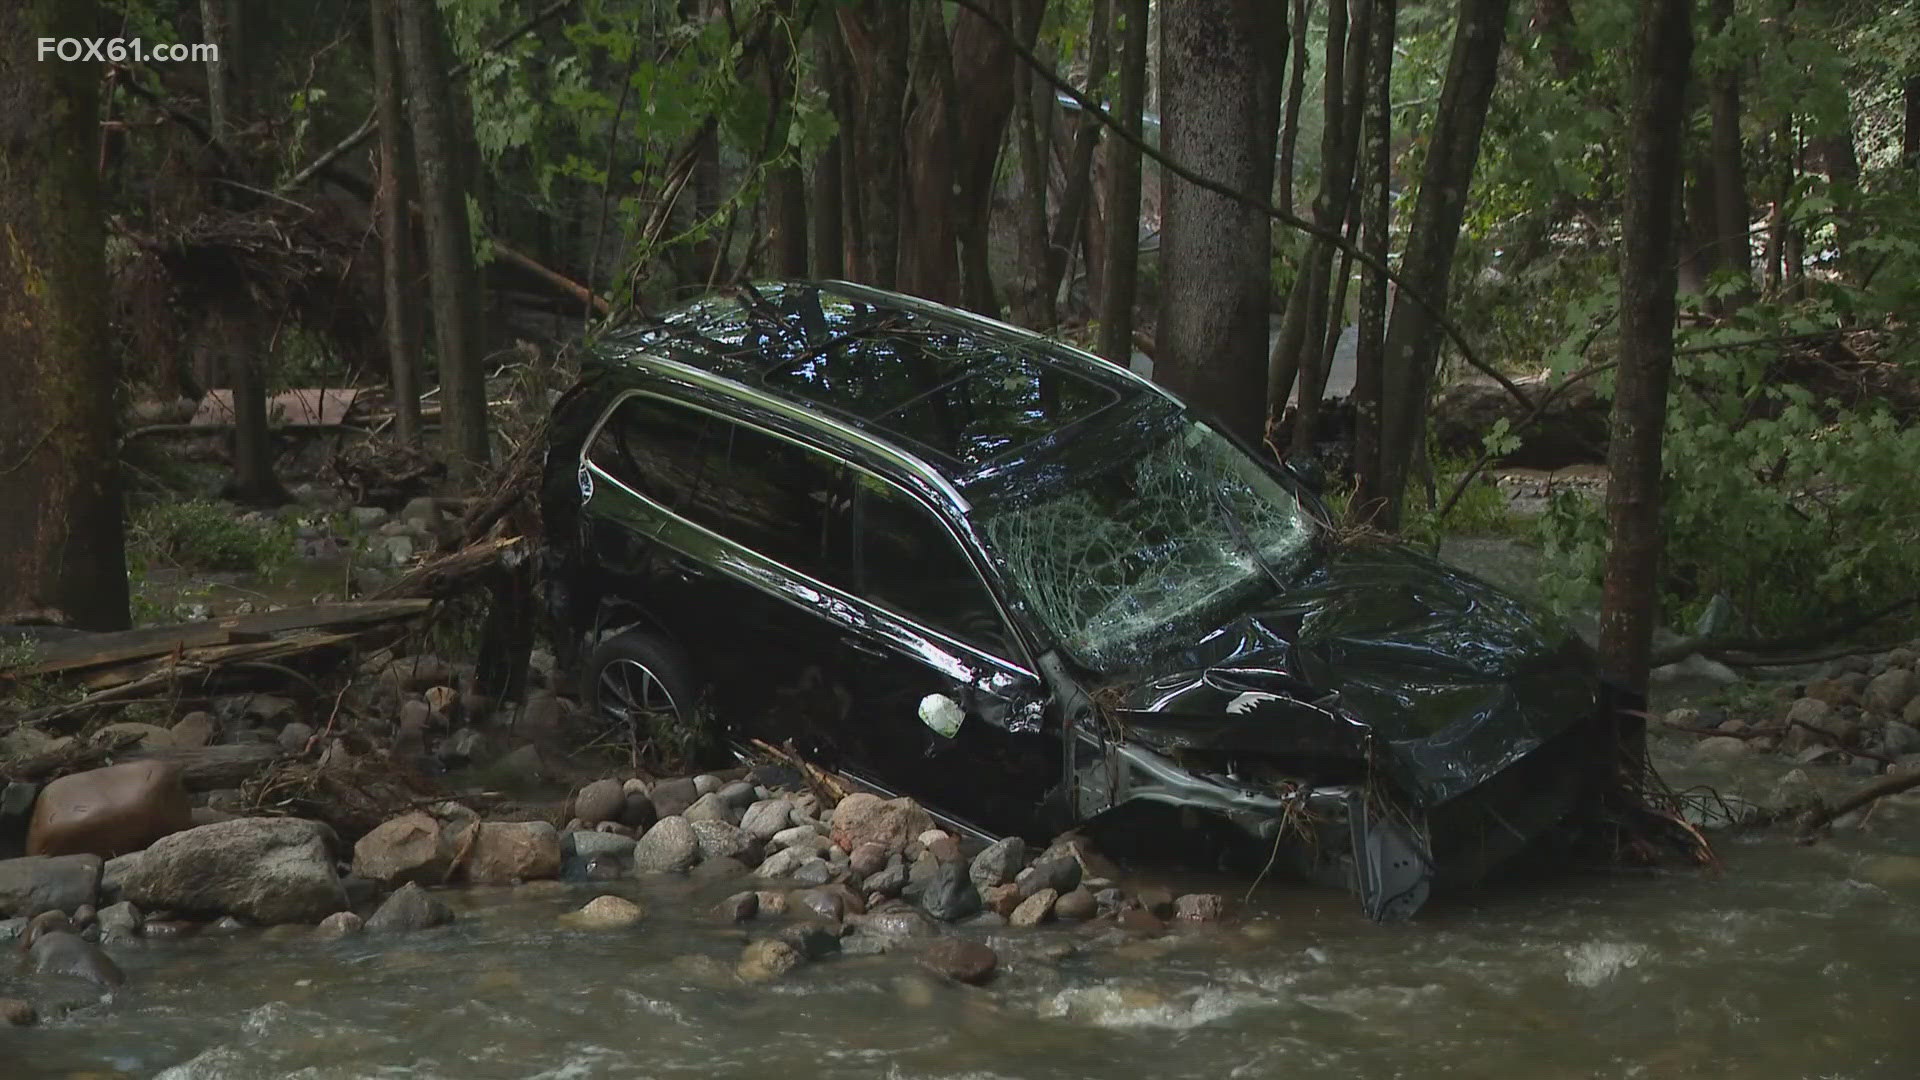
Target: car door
(950,711)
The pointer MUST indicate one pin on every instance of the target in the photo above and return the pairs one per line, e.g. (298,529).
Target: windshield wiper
(1245,540)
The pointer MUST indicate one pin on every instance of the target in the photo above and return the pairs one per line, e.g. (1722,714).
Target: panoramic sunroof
(996,408)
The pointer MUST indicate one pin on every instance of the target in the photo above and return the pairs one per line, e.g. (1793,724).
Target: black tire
(643,684)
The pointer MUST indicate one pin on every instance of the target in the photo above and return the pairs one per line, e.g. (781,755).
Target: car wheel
(643,689)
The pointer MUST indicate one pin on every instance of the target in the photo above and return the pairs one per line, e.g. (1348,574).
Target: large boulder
(110,811)
(268,870)
(40,883)
(862,818)
(63,953)
(602,800)
(508,851)
(411,847)
(1570,430)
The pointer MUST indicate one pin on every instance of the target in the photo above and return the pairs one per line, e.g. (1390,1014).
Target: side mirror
(1308,471)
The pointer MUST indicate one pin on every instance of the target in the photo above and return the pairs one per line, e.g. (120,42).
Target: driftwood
(212,768)
(458,571)
(73,757)
(352,798)
(1890,784)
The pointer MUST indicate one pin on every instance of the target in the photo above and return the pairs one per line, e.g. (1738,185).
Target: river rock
(999,862)
(718,869)
(17,1013)
(602,800)
(110,811)
(671,798)
(722,840)
(583,844)
(506,852)
(963,961)
(1720,748)
(1001,899)
(121,920)
(411,847)
(1890,691)
(409,908)
(268,870)
(1060,873)
(607,913)
(339,924)
(1077,905)
(37,883)
(766,818)
(1035,909)
(738,908)
(1899,739)
(765,959)
(824,902)
(812,939)
(949,895)
(670,847)
(711,807)
(863,818)
(812,871)
(866,860)
(889,880)
(294,737)
(637,811)
(780,863)
(196,729)
(1200,907)
(143,736)
(64,953)
(804,837)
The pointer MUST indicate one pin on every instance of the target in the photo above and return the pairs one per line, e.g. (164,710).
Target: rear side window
(778,498)
(908,560)
(655,448)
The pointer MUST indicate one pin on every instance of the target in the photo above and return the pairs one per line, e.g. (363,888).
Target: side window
(655,448)
(906,559)
(775,497)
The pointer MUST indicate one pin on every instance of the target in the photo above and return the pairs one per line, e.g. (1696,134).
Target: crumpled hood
(1380,643)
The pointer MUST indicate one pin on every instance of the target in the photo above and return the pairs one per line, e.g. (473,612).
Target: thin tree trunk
(1838,157)
(877,35)
(787,186)
(1218,91)
(1662,53)
(1296,91)
(1412,342)
(1731,209)
(1120,277)
(1375,225)
(391,199)
(828,238)
(1033,142)
(62,557)
(1078,188)
(453,278)
(1910,123)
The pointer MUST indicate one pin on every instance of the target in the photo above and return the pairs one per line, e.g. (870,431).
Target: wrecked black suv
(960,561)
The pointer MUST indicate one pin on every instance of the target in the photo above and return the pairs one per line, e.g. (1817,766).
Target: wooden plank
(100,650)
(197,660)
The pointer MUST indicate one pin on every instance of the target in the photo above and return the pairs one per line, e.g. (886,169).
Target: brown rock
(945,848)
(602,800)
(867,860)
(1200,907)
(962,961)
(1891,690)
(145,736)
(740,907)
(1001,899)
(862,818)
(1077,906)
(110,811)
(771,902)
(18,1013)
(510,851)
(410,847)
(1141,921)
(194,730)
(1035,909)
(766,959)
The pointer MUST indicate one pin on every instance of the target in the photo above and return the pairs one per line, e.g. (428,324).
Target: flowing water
(1793,962)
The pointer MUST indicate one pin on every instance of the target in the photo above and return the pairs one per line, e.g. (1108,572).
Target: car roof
(981,403)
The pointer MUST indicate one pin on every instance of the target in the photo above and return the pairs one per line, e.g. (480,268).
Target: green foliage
(205,535)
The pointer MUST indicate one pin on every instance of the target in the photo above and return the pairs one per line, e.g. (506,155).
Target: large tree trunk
(454,280)
(1375,228)
(1217,103)
(61,552)
(1413,340)
(391,198)
(877,35)
(1077,190)
(1119,278)
(787,186)
(1662,52)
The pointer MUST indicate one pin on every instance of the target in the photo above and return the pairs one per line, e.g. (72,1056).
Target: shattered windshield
(1146,554)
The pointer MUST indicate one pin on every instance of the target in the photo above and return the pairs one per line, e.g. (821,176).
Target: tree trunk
(877,35)
(453,278)
(1375,227)
(1077,191)
(1120,277)
(1842,164)
(1733,251)
(1663,50)
(62,557)
(830,209)
(1296,90)
(1217,102)
(1413,341)
(1910,125)
(787,186)
(391,198)
(1033,148)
